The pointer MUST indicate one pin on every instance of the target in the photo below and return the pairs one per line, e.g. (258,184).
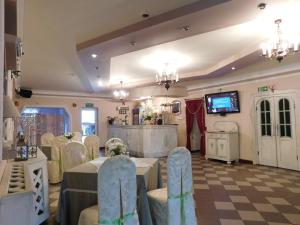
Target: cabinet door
(222,148)
(211,146)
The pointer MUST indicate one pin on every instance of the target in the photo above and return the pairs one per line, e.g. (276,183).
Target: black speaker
(25,93)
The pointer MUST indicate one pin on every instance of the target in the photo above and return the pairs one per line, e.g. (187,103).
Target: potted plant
(147,119)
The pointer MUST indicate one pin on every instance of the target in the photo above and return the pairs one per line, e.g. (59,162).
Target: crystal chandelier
(167,75)
(121,93)
(280,46)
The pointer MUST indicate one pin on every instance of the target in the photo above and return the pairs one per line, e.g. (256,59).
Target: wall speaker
(25,93)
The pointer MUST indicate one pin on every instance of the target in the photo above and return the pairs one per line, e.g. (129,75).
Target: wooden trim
(246,161)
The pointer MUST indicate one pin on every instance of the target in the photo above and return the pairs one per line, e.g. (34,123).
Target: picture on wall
(176,107)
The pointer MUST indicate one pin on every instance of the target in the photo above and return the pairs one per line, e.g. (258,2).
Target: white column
(1,70)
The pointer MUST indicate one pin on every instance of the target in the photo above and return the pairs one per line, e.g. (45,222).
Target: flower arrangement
(69,135)
(147,115)
(116,149)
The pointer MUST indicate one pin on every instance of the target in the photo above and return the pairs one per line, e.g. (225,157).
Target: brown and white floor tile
(238,194)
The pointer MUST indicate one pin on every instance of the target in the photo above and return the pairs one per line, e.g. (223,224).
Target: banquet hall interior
(139,112)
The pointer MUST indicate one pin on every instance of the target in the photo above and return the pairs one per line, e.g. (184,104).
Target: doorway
(195,125)
(35,121)
(276,130)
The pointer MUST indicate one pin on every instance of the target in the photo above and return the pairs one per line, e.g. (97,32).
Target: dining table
(79,189)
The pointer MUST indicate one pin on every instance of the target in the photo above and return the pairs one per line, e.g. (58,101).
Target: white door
(286,132)
(266,136)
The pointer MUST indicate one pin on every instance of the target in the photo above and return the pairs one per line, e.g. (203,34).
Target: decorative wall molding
(246,79)
(66,94)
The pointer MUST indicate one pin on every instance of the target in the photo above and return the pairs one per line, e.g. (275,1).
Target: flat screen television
(222,103)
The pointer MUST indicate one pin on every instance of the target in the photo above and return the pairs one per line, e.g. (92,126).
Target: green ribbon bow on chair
(118,221)
(182,196)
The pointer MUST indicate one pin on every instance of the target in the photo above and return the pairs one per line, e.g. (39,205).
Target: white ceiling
(201,53)
(52,29)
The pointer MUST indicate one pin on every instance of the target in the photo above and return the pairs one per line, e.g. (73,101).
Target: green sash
(182,198)
(118,221)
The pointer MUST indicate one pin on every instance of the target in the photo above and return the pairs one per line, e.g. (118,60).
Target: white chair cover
(111,141)
(92,145)
(47,138)
(179,204)
(116,194)
(73,154)
(55,165)
(77,136)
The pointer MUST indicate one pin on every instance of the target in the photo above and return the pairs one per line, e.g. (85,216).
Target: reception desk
(146,140)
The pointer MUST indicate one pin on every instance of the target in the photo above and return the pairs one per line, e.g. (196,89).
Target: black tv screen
(223,102)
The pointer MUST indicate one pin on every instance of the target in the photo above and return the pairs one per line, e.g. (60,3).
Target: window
(284,118)
(88,121)
(39,120)
(265,118)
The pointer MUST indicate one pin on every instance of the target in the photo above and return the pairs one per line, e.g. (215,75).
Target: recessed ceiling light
(186,28)
(100,83)
(145,15)
(262,6)
(233,68)
(94,56)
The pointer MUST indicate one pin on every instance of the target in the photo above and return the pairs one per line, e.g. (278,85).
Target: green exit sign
(89,105)
(263,89)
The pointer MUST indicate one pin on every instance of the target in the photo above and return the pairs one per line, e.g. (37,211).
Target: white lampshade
(9,108)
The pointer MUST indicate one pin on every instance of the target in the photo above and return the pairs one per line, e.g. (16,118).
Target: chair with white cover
(111,141)
(117,193)
(92,145)
(77,136)
(175,205)
(73,154)
(47,138)
(54,165)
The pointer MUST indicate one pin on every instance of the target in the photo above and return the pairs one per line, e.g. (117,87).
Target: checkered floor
(239,194)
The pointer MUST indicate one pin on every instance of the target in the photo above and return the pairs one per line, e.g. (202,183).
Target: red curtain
(195,109)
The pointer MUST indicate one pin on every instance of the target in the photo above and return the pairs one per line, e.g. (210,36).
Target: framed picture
(176,107)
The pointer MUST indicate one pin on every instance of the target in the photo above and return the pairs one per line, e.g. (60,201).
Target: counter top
(141,126)
(223,132)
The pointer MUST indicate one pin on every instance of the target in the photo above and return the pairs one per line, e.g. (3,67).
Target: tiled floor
(239,194)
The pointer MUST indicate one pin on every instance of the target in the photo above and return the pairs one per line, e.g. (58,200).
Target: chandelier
(167,75)
(121,93)
(280,46)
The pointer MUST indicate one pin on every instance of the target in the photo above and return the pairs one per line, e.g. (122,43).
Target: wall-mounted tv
(222,103)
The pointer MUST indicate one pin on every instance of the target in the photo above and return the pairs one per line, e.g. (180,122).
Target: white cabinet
(223,144)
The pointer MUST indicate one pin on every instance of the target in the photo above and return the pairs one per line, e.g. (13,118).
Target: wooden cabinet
(223,144)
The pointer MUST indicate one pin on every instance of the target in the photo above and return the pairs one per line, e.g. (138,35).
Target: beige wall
(105,108)
(245,118)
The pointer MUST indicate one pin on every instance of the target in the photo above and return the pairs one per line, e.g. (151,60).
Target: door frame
(296,93)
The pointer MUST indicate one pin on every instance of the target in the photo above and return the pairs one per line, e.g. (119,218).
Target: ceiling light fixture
(167,75)
(280,46)
(121,93)
(233,68)
(94,56)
